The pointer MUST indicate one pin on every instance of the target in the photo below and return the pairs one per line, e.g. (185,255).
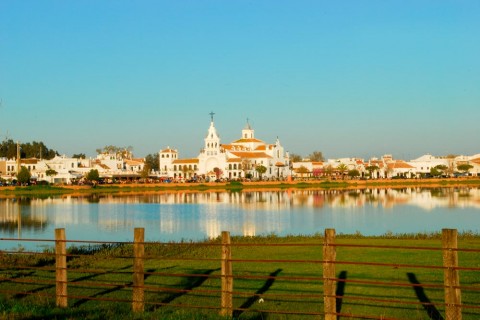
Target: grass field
(50,190)
(182,280)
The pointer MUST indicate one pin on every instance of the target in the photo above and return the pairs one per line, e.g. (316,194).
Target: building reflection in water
(199,215)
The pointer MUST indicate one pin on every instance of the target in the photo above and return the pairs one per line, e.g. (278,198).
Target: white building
(425,163)
(239,159)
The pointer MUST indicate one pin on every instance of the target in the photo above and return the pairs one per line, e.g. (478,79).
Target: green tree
(261,169)
(93,176)
(438,170)
(464,167)
(353,173)
(79,156)
(23,177)
(316,156)
(8,149)
(50,173)
(328,170)
(371,169)
(153,161)
(342,168)
(302,171)
(145,171)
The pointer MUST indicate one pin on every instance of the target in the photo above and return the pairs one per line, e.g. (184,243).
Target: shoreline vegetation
(133,188)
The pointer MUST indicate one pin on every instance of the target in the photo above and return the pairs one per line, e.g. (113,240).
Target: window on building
(175,168)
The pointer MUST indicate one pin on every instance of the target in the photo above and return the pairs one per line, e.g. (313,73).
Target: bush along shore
(233,185)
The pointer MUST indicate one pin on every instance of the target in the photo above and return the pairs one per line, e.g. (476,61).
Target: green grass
(45,191)
(112,264)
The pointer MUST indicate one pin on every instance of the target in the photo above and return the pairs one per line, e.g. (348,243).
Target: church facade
(246,157)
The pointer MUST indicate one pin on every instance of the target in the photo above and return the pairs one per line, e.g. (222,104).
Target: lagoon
(176,216)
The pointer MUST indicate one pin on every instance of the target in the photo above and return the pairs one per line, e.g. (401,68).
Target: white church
(237,160)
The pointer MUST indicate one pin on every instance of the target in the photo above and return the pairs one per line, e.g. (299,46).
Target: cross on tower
(211,115)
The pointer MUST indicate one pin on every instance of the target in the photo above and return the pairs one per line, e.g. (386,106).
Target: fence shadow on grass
(190,283)
(250,301)
(98,274)
(29,292)
(340,291)
(432,312)
(113,289)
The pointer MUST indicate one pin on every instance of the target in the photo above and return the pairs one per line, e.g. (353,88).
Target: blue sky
(348,78)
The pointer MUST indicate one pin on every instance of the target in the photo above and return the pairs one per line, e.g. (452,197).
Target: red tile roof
(255,155)
(169,150)
(182,161)
(247,140)
(399,165)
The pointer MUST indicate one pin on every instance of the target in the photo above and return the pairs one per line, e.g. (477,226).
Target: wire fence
(330,279)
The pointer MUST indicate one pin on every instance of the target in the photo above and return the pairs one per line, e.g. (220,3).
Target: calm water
(196,216)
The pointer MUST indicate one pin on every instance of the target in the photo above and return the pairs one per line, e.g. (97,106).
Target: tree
(302,170)
(23,177)
(371,169)
(295,157)
(120,152)
(342,168)
(145,171)
(246,165)
(438,170)
(218,172)
(8,149)
(464,167)
(79,156)
(261,169)
(51,173)
(353,173)
(93,176)
(316,156)
(153,161)
(328,170)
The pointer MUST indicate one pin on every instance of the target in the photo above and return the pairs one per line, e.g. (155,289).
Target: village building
(424,164)
(237,160)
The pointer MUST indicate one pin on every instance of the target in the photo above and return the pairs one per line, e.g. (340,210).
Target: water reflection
(198,215)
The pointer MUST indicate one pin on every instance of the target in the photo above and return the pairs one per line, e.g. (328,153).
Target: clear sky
(348,78)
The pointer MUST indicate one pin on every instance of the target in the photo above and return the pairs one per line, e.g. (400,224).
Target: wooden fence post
(227,276)
(61,268)
(329,257)
(453,309)
(138,299)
